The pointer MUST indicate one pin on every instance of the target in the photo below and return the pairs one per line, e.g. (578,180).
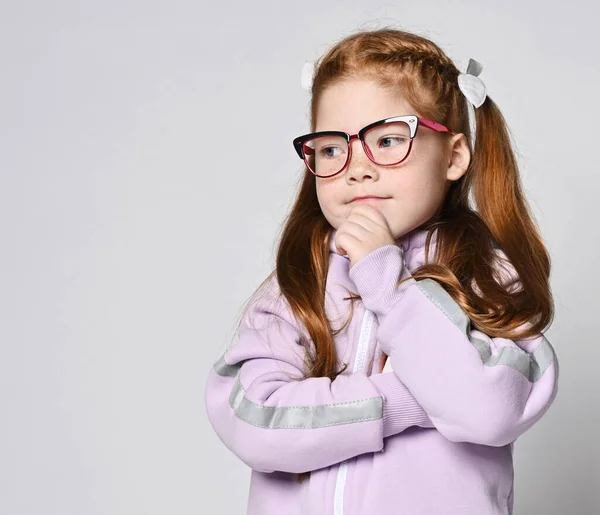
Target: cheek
(327,192)
(419,190)
(408,183)
(326,197)
(426,179)
(321,194)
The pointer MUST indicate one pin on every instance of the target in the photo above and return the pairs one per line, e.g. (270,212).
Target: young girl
(456,296)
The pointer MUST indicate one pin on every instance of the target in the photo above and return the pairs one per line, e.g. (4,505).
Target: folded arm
(473,387)
(273,420)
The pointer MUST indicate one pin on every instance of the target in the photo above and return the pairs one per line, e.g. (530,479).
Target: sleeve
(474,388)
(273,420)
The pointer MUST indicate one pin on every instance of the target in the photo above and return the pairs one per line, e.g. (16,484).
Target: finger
(370,212)
(364,221)
(344,240)
(355,230)
(370,220)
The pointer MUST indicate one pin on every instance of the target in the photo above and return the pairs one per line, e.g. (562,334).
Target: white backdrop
(138,213)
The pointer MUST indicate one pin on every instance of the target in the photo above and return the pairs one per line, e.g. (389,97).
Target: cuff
(400,409)
(376,275)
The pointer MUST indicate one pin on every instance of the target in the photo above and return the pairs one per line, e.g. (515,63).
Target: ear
(459,157)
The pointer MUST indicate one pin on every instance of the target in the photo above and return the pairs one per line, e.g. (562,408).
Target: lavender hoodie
(434,436)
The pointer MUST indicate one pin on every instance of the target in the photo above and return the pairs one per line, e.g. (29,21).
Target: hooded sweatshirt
(431,434)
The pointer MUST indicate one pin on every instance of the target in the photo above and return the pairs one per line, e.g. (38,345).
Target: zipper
(359,365)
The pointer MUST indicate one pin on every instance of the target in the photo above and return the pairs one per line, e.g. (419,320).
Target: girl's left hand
(364,231)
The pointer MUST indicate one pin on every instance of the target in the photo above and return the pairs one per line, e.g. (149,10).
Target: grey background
(138,214)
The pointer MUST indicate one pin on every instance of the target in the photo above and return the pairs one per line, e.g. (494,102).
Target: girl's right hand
(385,364)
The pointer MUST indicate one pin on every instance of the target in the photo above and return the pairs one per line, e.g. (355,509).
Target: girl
(457,299)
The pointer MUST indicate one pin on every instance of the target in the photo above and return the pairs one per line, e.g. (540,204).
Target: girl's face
(414,189)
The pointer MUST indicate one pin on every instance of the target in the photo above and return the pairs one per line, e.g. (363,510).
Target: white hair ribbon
(471,85)
(308,71)
(473,88)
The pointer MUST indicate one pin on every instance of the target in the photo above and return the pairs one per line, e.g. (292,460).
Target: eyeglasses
(386,142)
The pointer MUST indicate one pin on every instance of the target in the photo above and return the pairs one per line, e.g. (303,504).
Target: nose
(359,165)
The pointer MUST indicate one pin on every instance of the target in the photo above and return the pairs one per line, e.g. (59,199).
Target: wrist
(376,276)
(400,409)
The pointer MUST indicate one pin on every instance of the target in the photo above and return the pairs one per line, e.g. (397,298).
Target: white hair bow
(471,85)
(308,71)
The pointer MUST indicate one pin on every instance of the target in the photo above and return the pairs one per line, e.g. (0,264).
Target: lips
(368,196)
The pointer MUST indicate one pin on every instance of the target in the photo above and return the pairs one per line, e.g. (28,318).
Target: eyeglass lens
(388,143)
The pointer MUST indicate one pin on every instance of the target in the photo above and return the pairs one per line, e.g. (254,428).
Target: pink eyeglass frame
(412,121)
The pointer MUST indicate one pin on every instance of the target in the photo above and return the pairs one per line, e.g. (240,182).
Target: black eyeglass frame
(412,121)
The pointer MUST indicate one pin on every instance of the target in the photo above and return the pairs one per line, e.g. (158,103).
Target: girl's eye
(400,140)
(325,151)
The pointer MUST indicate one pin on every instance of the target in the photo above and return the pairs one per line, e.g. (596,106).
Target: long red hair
(466,236)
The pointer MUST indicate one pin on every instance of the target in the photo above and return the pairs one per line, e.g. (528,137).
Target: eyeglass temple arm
(435,126)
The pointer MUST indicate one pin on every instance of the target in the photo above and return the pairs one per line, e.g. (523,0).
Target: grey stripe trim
(298,417)
(532,366)
(225,369)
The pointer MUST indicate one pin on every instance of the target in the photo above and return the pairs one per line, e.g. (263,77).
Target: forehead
(350,105)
